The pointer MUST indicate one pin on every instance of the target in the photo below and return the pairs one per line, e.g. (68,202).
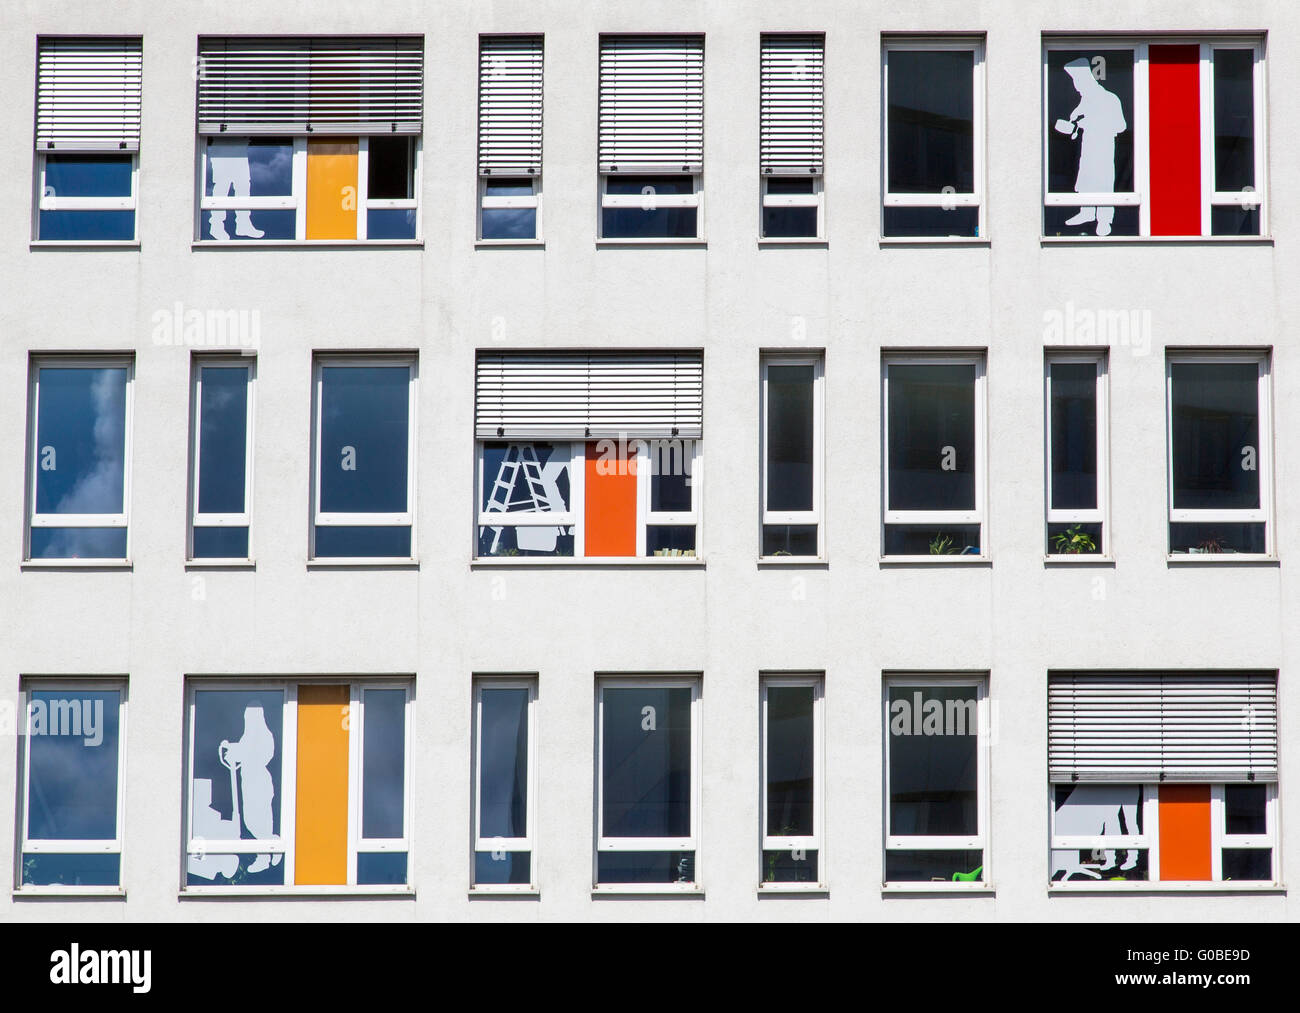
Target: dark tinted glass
(789,867)
(931,121)
(933,761)
(923,540)
(790,761)
(1234,119)
(223,434)
(645,867)
(383,767)
(381,868)
(390,223)
(671,462)
(1124,222)
(1074,435)
(389,170)
(924,223)
(790,437)
(1216,537)
(933,866)
(508,187)
(87,175)
(648,186)
(660,223)
(1244,808)
(221,543)
(80,440)
(509,223)
(78,543)
(44,869)
(1234,221)
(646,762)
(503,763)
(670,540)
(72,780)
(363,541)
(931,437)
(1215,435)
(1248,864)
(789,223)
(496,868)
(1063,539)
(790,185)
(365,412)
(1090,122)
(789,539)
(88,226)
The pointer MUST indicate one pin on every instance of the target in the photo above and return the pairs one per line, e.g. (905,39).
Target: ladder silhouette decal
(543,496)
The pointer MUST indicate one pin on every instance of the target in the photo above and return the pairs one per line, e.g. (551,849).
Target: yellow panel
(321,832)
(332,189)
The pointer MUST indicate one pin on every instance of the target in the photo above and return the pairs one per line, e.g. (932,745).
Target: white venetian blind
(651,103)
(1148,726)
(510,105)
(88,94)
(578,395)
(311,85)
(791,104)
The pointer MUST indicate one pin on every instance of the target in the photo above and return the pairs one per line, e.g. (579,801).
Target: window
(1220,453)
(298,783)
(71,785)
(310,138)
(934,138)
(87,138)
(934,447)
(364,462)
(792,455)
(510,137)
(651,136)
(80,452)
(1077,496)
(791,147)
(792,780)
(504,784)
(589,454)
(221,460)
(936,767)
(648,807)
(1154,137)
(1163,777)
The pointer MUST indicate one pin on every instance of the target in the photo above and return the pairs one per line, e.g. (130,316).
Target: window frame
(38,520)
(28,845)
(816,200)
(979,439)
(488,203)
(815,842)
(528,843)
(662,844)
(1265,513)
(46,201)
(694,199)
(782,518)
(521,518)
(320,362)
(197,519)
(1101,514)
(978,198)
(285,844)
(647,517)
(1139,197)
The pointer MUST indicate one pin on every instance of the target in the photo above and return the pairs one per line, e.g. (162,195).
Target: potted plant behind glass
(1073,541)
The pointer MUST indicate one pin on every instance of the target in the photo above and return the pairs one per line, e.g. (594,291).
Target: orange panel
(1185,832)
(332,189)
(321,833)
(611,502)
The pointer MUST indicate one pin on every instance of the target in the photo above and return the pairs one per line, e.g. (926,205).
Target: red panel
(611,501)
(1185,852)
(1175,109)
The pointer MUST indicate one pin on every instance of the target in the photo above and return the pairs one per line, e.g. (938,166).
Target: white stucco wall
(853,618)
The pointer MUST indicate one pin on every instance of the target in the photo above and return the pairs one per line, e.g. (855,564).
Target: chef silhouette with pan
(1099,117)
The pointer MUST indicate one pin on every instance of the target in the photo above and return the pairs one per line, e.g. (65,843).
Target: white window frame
(320,362)
(1264,406)
(533,200)
(976,516)
(539,519)
(646,517)
(48,201)
(1140,196)
(116,520)
(980,841)
(26,845)
(212,520)
(652,202)
(608,844)
(288,754)
(816,199)
(1221,839)
(1148,840)
(769,842)
(1101,514)
(781,518)
(526,844)
(975,199)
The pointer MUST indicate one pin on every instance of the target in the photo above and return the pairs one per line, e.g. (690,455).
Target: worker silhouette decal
(1095,123)
(231,176)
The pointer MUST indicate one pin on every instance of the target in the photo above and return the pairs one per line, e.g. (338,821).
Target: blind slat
(651,115)
(792,104)
(510,106)
(88,94)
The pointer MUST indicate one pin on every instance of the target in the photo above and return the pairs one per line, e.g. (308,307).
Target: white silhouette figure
(231,175)
(250,757)
(1096,810)
(1100,117)
(207,825)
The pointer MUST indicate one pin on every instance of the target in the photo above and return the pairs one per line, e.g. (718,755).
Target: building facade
(696,461)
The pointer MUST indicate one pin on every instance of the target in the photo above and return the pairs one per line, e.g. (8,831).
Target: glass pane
(646,762)
(921,540)
(1234,119)
(1074,435)
(526,478)
(1097,864)
(389,174)
(498,868)
(670,540)
(525,541)
(512,187)
(790,756)
(934,866)
(87,176)
(363,542)
(383,768)
(1216,435)
(223,435)
(509,223)
(1073,539)
(88,226)
(931,437)
(1215,537)
(1248,864)
(789,866)
(790,465)
(671,464)
(381,868)
(790,184)
(365,414)
(961,222)
(72,778)
(649,186)
(80,440)
(933,761)
(503,763)
(790,223)
(1098,810)
(931,121)
(235,784)
(1245,808)
(71,870)
(789,539)
(1090,123)
(661,223)
(78,543)
(1068,221)
(1234,221)
(243,167)
(390,223)
(221,543)
(273,224)
(645,867)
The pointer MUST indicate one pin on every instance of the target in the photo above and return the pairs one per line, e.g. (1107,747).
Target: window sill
(778,562)
(221,564)
(974,241)
(793,890)
(634,243)
(363,563)
(610,563)
(956,560)
(294,892)
(84,244)
(1147,887)
(69,893)
(1221,559)
(1156,240)
(942,889)
(75,564)
(496,244)
(319,244)
(629,891)
(1078,559)
(795,242)
(504,892)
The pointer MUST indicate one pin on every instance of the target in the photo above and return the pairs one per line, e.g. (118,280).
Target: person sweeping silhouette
(1099,117)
